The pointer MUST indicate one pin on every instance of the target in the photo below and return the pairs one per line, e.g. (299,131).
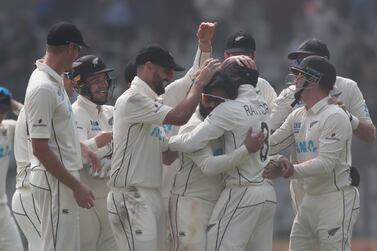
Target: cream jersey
(346,90)
(22,151)
(267,92)
(322,137)
(49,116)
(90,120)
(232,120)
(7,128)
(190,180)
(138,137)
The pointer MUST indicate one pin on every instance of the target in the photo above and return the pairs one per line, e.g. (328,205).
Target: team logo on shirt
(159,133)
(296,127)
(95,126)
(39,123)
(306,146)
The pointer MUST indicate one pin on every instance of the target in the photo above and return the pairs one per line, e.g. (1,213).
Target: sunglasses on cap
(208,98)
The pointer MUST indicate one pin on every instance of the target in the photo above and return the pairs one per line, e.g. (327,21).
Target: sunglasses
(208,98)
(79,47)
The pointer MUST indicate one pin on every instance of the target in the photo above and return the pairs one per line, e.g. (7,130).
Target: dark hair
(241,75)
(129,72)
(222,81)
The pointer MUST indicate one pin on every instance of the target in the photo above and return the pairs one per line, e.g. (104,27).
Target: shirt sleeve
(177,90)
(335,133)
(267,92)
(142,109)
(281,108)
(40,107)
(213,165)
(358,106)
(283,137)
(196,139)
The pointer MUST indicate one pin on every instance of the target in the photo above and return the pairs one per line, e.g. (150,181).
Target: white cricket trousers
(243,219)
(10,239)
(137,218)
(188,222)
(26,214)
(59,212)
(325,222)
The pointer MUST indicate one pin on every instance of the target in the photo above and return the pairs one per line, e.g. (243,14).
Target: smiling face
(98,87)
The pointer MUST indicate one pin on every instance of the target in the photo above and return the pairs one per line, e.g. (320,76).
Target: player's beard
(159,84)
(204,111)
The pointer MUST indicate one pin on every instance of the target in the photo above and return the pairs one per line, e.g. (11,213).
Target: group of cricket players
(180,165)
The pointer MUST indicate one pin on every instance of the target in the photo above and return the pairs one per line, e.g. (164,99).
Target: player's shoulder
(263,83)
(108,108)
(335,110)
(343,83)
(7,123)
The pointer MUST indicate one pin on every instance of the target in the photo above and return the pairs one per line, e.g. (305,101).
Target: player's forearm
(317,166)
(54,166)
(366,132)
(214,165)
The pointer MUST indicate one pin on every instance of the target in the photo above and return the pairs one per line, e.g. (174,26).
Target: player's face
(161,78)
(73,51)
(98,87)
(211,100)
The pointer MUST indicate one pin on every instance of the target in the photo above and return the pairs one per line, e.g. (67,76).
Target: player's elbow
(175,117)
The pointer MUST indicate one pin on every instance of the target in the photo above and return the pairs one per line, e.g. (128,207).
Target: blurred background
(117,29)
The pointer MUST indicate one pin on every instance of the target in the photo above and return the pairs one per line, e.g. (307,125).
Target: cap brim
(296,70)
(294,55)
(238,50)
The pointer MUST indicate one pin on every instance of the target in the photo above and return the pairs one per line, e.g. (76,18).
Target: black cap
(317,67)
(312,46)
(5,98)
(240,42)
(86,66)
(64,33)
(157,55)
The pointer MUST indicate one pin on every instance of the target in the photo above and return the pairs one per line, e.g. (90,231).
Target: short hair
(222,81)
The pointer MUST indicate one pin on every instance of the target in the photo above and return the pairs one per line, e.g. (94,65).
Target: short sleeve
(40,105)
(142,109)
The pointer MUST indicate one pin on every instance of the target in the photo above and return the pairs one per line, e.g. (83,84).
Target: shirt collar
(45,68)
(143,87)
(319,105)
(83,101)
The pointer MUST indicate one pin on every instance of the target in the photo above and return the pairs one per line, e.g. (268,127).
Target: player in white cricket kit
(94,122)
(345,90)
(243,43)
(197,188)
(56,159)
(243,215)
(10,239)
(134,202)
(322,135)
(23,203)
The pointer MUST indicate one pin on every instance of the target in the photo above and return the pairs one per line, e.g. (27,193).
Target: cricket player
(94,122)
(242,218)
(197,188)
(10,239)
(345,91)
(134,202)
(243,43)
(321,134)
(175,93)
(23,203)
(56,159)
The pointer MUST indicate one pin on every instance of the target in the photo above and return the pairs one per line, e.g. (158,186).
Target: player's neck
(55,62)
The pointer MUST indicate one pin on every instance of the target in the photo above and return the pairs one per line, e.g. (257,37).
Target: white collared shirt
(232,119)
(49,116)
(346,90)
(322,136)
(138,137)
